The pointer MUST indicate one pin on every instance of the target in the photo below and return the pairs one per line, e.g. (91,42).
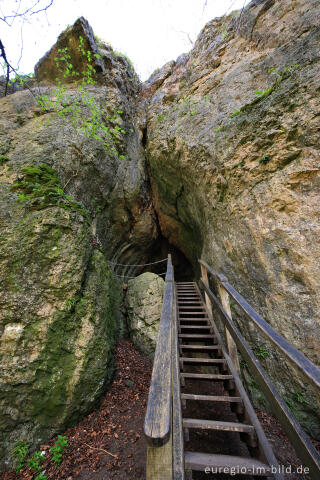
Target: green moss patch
(40,187)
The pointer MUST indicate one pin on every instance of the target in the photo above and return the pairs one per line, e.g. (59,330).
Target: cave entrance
(183,270)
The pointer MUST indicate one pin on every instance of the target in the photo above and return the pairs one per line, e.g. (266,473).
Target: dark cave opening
(183,270)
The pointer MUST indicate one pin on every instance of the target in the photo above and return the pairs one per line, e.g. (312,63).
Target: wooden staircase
(199,417)
(202,360)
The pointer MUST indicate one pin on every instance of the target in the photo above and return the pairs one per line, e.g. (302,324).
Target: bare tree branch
(7,66)
(24,16)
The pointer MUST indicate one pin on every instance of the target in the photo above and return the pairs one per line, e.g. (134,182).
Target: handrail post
(224,297)
(225,302)
(204,276)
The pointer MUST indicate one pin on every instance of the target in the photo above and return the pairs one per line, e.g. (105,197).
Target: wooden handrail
(299,439)
(157,424)
(306,367)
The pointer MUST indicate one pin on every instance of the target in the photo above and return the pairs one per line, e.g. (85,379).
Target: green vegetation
(40,188)
(262,352)
(299,397)
(87,116)
(20,79)
(41,476)
(265,159)
(240,164)
(263,94)
(120,56)
(3,159)
(20,453)
(34,462)
(70,303)
(224,32)
(235,113)
(218,129)
(58,449)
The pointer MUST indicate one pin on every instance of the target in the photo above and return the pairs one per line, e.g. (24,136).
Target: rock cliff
(74,192)
(233,153)
(218,150)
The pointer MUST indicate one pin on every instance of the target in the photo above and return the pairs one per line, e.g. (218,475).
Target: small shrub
(58,449)
(41,476)
(262,352)
(20,453)
(35,461)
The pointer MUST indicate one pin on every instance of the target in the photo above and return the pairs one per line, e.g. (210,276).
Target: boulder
(144,303)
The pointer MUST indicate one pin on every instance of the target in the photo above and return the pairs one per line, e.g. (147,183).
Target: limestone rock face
(144,303)
(234,160)
(67,202)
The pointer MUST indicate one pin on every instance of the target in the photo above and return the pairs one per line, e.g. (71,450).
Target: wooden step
(195,335)
(198,327)
(192,291)
(242,465)
(206,376)
(200,347)
(182,307)
(187,287)
(211,398)
(191,319)
(188,302)
(217,425)
(187,296)
(203,360)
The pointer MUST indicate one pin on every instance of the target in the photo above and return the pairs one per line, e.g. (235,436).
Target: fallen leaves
(109,440)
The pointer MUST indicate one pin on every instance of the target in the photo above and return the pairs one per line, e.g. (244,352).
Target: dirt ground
(109,443)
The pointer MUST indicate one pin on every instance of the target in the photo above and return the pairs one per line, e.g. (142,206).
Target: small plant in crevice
(240,164)
(70,303)
(20,453)
(3,159)
(58,449)
(243,364)
(235,113)
(296,400)
(224,32)
(299,397)
(262,94)
(262,352)
(265,159)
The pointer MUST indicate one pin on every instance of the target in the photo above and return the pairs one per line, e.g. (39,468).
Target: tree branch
(4,56)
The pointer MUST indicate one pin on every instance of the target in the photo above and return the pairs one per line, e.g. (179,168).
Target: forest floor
(109,443)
